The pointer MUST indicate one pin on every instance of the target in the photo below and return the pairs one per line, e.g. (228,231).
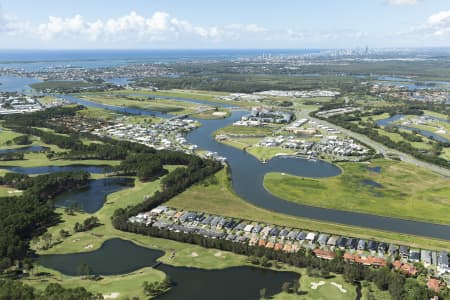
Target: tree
(84,270)
(47,239)
(263,293)
(286,287)
(296,286)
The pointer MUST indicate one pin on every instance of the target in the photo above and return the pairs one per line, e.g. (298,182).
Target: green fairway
(334,288)
(428,201)
(220,199)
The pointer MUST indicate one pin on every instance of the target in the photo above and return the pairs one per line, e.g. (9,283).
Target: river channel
(248,175)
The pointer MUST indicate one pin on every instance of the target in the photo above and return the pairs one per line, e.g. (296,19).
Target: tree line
(399,285)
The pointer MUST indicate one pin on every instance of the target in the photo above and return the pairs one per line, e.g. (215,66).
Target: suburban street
(377,146)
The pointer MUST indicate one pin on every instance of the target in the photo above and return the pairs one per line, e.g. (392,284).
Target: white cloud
(132,26)
(402,2)
(439,18)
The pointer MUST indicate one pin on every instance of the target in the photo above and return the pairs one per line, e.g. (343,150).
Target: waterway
(92,198)
(101,169)
(188,283)
(425,133)
(248,173)
(24,149)
(16,84)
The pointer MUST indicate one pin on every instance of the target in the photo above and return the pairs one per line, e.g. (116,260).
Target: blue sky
(152,24)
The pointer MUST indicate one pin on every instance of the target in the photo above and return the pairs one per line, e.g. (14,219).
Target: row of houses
(299,94)
(264,115)
(324,245)
(169,134)
(18,104)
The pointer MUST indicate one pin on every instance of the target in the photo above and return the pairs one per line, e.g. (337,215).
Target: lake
(91,198)
(117,256)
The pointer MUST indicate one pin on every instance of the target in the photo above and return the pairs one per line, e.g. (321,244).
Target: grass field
(327,291)
(220,199)
(246,131)
(160,105)
(250,145)
(428,201)
(193,94)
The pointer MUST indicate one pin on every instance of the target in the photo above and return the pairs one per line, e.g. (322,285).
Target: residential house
(324,254)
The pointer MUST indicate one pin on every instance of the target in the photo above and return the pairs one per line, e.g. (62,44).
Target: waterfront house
(341,242)
(404,252)
(414,255)
(362,245)
(393,250)
(382,248)
(333,240)
(442,262)
(322,239)
(425,257)
(311,236)
(301,236)
(352,243)
(372,246)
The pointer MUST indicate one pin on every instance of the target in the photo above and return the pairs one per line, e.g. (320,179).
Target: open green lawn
(40,159)
(428,201)
(193,94)
(244,130)
(161,105)
(220,199)
(266,153)
(250,145)
(327,291)
(127,285)
(7,135)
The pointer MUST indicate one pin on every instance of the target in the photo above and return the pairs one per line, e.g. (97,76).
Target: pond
(117,256)
(372,183)
(91,198)
(375,169)
(100,169)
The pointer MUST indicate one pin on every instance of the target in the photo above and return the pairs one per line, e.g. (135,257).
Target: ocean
(34,60)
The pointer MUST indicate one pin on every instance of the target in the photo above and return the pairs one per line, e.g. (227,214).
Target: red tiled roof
(405,268)
(324,254)
(434,284)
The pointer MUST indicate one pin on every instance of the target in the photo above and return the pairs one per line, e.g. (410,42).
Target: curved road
(380,148)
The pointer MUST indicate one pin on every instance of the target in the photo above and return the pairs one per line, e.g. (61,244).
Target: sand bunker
(315,285)
(339,286)
(113,295)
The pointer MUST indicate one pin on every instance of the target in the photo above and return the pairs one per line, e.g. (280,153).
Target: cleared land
(220,199)
(356,190)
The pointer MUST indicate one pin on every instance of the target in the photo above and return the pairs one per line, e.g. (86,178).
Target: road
(379,148)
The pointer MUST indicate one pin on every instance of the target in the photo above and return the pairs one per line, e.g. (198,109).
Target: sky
(230,24)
